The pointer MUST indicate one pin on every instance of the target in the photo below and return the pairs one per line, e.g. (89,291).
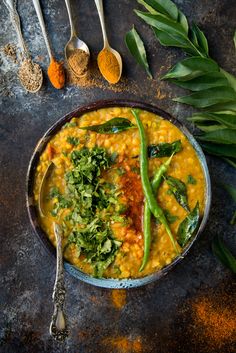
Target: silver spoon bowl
(74,42)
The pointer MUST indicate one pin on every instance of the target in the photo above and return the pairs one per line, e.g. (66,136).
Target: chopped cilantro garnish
(191,180)
(88,198)
(73,140)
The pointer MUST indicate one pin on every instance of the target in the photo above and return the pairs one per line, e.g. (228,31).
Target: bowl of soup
(94,192)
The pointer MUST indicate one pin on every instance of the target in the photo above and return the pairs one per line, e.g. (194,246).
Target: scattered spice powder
(10,51)
(118,298)
(215,318)
(30,75)
(123,344)
(56,74)
(109,66)
(78,61)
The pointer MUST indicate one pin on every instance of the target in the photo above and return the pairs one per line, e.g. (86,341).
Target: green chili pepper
(147,212)
(147,188)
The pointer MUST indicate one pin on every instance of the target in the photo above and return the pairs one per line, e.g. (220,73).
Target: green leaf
(147,7)
(224,136)
(188,226)
(201,40)
(162,23)
(191,180)
(230,161)
(233,219)
(225,119)
(170,218)
(74,141)
(113,126)
(190,68)
(221,251)
(231,190)
(179,190)
(136,47)
(209,80)
(165,7)
(169,39)
(219,150)
(234,39)
(164,149)
(209,97)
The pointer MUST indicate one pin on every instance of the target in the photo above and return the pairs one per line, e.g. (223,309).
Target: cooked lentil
(125,175)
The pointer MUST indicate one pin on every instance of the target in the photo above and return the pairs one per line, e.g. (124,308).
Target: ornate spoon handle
(58,327)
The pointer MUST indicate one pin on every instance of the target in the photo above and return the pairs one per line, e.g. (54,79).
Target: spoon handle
(58,327)
(99,5)
(72,27)
(11,6)
(43,27)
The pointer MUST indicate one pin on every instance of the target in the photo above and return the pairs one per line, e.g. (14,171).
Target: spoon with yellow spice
(109,60)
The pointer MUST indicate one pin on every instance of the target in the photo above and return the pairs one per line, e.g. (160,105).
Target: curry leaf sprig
(213,89)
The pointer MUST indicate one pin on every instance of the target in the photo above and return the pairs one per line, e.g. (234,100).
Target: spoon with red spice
(56,72)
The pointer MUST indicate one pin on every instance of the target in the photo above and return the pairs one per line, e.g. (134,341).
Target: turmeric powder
(56,74)
(109,66)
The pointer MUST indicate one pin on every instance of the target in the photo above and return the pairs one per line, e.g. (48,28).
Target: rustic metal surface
(159,315)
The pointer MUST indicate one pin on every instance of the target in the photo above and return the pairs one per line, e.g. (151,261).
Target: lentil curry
(95,193)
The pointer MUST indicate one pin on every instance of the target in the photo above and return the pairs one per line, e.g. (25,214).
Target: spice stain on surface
(217,321)
(118,297)
(123,344)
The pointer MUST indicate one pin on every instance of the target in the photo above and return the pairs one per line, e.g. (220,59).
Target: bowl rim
(32,211)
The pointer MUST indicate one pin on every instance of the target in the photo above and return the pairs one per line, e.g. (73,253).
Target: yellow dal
(126,144)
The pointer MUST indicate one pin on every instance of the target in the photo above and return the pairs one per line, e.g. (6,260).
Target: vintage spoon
(11,6)
(74,42)
(106,45)
(46,175)
(58,327)
(43,27)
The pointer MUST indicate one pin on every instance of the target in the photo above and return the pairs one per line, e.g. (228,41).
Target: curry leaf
(231,190)
(190,68)
(224,136)
(136,47)
(231,161)
(209,97)
(208,80)
(226,119)
(200,38)
(221,251)
(188,226)
(179,190)
(164,149)
(165,7)
(170,218)
(147,7)
(112,126)
(219,149)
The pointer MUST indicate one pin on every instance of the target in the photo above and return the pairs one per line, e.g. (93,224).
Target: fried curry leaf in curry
(179,190)
(188,226)
(112,126)
(164,149)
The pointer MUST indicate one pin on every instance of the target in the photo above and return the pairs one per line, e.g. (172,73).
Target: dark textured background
(158,314)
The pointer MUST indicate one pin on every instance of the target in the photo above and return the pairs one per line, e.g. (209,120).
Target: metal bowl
(32,211)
